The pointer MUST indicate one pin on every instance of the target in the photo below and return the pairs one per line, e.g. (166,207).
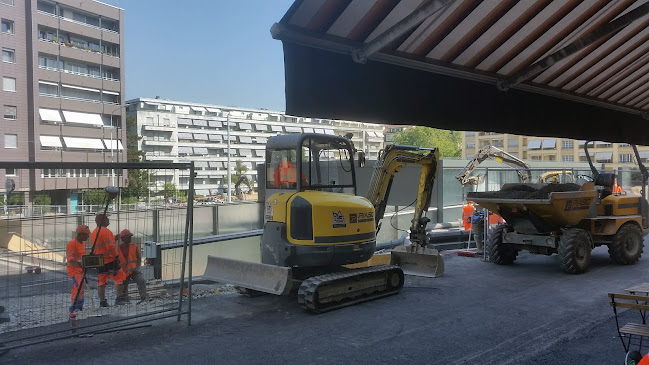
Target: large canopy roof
(568,68)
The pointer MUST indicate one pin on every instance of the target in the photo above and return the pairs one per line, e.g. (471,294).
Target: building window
(10,172)
(7,2)
(48,62)
(625,157)
(9,84)
(48,89)
(469,134)
(11,112)
(512,142)
(8,55)
(551,158)
(567,158)
(7,26)
(470,145)
(535,158)
(567,145)
(11,141)
(46,7)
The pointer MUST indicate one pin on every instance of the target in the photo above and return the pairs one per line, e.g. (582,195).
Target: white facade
(176,131)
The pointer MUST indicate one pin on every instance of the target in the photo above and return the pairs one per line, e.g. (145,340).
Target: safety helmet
(83,229)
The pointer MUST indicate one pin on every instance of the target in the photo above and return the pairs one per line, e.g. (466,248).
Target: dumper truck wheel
(574,250)
(626,247)
(499,252)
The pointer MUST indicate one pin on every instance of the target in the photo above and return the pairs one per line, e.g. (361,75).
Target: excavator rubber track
(327,292)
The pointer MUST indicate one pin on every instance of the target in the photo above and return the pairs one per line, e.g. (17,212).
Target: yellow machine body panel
(619,205)
(336,218)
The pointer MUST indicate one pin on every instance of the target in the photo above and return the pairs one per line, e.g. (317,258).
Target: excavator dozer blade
(251,275)
(418,261)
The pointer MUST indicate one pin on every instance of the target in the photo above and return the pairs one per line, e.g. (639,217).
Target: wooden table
(644,289)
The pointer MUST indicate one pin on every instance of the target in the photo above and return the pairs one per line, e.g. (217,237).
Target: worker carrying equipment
(105,245)
(74,251)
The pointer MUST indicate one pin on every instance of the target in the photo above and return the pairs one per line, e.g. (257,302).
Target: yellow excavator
(315,224)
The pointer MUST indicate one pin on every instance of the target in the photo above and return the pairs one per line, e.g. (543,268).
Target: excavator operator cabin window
(281,169)
(327,165)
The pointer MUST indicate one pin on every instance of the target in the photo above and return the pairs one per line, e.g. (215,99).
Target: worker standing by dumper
(131,260)
(74,251)
(477,230)
(104,240)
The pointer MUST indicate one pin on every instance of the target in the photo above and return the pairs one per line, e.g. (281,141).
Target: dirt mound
(521,191)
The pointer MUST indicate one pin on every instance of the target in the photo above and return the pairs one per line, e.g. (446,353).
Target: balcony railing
(76,21)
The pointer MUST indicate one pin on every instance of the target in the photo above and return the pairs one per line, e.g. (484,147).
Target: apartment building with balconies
(604,155)
(176,131)
(63,89)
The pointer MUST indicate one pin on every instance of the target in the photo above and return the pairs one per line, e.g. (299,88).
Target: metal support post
(229,199)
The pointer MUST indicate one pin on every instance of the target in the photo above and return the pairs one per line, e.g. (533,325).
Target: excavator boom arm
(390,161)
(522,169)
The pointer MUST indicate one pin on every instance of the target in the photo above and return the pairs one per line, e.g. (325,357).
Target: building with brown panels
(62,91)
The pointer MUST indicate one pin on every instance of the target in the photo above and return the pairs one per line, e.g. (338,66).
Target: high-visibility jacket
(467,212)
(128,260)
(286,173)
(74,251)
(105,244)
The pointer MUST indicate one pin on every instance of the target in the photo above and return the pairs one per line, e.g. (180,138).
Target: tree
(239,170)
(138,179)
(447,142)
(42,199)
(94,197)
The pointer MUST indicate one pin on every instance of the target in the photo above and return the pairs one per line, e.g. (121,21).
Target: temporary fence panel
(35,289)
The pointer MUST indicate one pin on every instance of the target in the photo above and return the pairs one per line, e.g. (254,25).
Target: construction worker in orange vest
(105,245)
(616,188)
(130,261)
(285,174)
(74,251)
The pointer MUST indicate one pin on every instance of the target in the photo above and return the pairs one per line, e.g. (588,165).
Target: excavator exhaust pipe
(418,261)
(250,275)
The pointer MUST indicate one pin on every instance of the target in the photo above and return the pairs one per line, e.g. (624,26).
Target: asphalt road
(477,313)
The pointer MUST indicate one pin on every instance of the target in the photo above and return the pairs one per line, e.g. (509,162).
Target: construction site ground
(477,313)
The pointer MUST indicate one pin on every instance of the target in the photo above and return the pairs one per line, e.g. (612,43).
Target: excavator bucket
(251,275)
(418,261)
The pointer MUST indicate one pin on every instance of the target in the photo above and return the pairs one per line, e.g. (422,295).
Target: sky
(205,51)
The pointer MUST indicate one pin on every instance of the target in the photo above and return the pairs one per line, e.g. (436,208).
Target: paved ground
(478,313)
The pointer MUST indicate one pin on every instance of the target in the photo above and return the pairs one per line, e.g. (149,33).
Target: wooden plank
(640,298)
(642,307)
(635,329)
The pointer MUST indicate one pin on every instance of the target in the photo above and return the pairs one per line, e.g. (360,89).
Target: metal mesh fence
(38,220)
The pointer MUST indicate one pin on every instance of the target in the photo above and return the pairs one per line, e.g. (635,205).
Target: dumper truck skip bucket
(559,209)
(418,261)
(251,275)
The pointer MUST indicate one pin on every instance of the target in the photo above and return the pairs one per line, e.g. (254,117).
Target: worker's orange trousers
(76,282)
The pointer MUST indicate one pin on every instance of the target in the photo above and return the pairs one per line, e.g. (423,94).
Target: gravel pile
(522,191)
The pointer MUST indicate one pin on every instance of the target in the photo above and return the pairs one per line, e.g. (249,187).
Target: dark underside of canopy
(327,84)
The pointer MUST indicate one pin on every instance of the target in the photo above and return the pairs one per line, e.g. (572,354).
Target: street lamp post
(229,199)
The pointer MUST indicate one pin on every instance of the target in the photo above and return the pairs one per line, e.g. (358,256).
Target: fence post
(439,193)
(215,220)
(156,225)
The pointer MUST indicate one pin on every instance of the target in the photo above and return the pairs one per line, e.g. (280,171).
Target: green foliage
(94,197)
(138,180)
(42,199)
(16,199)
(447,142)
(171,191)
(2,199)
(239,170)
(130,200)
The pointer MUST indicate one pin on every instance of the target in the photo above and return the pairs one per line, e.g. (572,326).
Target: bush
(130,200)
(16,199)
(42,199)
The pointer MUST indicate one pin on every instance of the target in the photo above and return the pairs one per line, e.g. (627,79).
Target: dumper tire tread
(618,250)
(570,243)
(500,253)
